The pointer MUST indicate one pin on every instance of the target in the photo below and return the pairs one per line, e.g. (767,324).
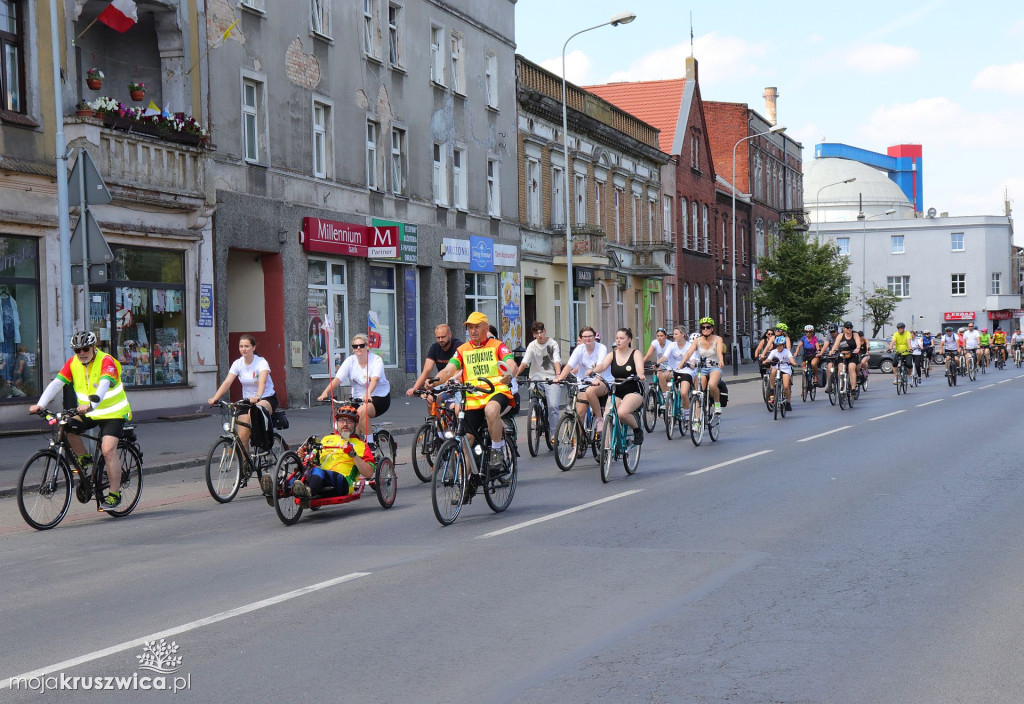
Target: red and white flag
(120,15)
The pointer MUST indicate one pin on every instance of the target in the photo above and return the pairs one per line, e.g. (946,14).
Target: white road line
(1006,380)
(894,413)
(5,682)
(961,393)
(989,386)
(725,464)
(821,435)
(928,403)
(559,514)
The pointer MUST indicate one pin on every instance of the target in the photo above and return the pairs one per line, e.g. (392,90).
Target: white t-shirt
(915,345)
(249,375)
(351,374)
(580,361)
(542,359)
(673,353)
(785,358)
(972,339)
(659,349)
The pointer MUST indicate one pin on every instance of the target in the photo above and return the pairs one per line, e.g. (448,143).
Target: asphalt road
(869,555)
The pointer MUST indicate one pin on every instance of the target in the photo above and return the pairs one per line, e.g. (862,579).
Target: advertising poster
(316,335)
(511,301)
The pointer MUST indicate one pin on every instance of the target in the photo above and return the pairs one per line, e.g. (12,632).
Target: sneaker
(895,381)
(301,490)
(696,425)
(496,459)
(112,501)
(638,436)
(267,485)
(718,409)
(789,406)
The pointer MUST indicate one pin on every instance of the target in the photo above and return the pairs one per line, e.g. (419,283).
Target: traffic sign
(96,192)
(97,274)
(99,250)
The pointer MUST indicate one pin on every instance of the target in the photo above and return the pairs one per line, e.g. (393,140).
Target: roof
(655,102)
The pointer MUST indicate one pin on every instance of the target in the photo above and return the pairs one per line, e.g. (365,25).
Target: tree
(804,280)
(880,305)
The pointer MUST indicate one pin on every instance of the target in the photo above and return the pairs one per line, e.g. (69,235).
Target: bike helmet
(848,325)
(984,329)
(783,327)
(347,410)
(83,338)
(780,340)
(901,325)
(707,321)
(833,328)
(808,328)
(861,333)
(949,329)
(693,336)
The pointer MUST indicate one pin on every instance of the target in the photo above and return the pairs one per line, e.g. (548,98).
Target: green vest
(114,404)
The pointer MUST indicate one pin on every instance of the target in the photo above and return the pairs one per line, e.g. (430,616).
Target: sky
(947,75)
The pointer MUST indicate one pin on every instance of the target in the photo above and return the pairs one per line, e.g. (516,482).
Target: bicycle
(778,394)
(702,411)
(654,400)
(915,377)
(461,468)
(572,434)
(766,391)
(926,363)
(972,365)
(1017,356)
(617,437)
(55,468)
(537,422)
(952,370)
(983,363)
(440,423)
(901,375)
(1000,360)
(809,385)
(228,466)
(674,405)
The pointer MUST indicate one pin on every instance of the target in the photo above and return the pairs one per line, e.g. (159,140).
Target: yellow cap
(475,318)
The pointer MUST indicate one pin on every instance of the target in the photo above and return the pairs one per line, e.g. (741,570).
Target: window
(696,209)
(580,189)
(558,311)
(533,186)
(598,188)
(440,175)
(557,197)
(759,176)
(12,59)
(957,241)
(371,155)
(959,284)
(637,223)
(843,244)
(437,55)
(322,142)
(460,179)
(996,289)
(899,286)
(620,308)
(696,305)
(326,294)
(694,152)
(458,45)
(704,228)
(20,349)
(684,214)
(897,244)
(494,188)
(255,4)
(707,300)
(369,45)
(491,80)
(847,290)
(666,219)
(394,38)
(686,307)
(399,159)
(669,293)
(618,214)
(252,120)
(320,16)
(482,294)
(383,312)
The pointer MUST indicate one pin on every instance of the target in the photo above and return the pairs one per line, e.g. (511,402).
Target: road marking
(928,403)
(894,413)
(138,642)
(989,386)
(961,393)
(559,514)
(1006,380)
(821,435)
(727,463)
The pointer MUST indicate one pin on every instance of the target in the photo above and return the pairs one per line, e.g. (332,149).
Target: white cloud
(940,121)
(1005,79)
(720,58)
(1016,29)
(880,58)
(577,67)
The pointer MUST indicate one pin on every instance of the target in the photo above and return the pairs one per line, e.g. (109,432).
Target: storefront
(496,294)
(19,318)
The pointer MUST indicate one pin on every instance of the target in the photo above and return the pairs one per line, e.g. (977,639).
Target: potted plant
(137,91)
(94,79)
(83,109)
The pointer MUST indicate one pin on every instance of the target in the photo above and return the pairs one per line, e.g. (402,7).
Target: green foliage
(804,281)
(880,306)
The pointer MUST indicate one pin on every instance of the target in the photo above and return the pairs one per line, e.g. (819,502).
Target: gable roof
(655,102)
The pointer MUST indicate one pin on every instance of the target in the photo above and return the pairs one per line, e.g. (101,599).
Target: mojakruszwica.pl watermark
(158,657)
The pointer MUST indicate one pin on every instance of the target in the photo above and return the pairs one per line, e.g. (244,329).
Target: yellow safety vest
(482,362)
(114,404)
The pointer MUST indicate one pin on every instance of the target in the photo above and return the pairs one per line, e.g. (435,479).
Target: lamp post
(621,18)
(735,349)
(817,209)
(864,262)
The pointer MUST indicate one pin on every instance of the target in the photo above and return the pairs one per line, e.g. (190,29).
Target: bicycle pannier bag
(280,419)
(262,434)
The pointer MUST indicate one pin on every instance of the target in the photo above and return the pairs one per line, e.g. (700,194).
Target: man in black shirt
(437,356)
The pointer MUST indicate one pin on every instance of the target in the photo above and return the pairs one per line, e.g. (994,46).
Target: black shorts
(476,421)
(108,426)
(381,404)
(271,399)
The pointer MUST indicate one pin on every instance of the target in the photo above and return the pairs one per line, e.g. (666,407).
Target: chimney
(691,68)
(771,96)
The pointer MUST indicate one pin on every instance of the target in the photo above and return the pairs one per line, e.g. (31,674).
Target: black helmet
(848,324)
(901,325)
(949,328)
(833,327)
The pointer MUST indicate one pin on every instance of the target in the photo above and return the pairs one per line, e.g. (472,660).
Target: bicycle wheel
(567,438)
(651,407)
(780,399)
(972,369)
(423,449)
(386,445)
(813,380)
(224,469)
(44,490)
(766,391)
(385,482)
(831,390)
(607,445)
(500,485)
(131,479)
(631,456)
(776,399)
(805,389)
(533,429)
(699,421)
(264,461)
(449,486)
(714,423)
(670,413)
(288,508)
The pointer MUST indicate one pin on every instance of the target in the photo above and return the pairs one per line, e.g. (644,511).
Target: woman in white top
(364,372)
(657,349)
(583,359)
(681,354)
(253,372)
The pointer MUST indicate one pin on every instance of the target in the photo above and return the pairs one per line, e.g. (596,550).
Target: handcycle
(292,465)
(228,466)
(537,424)
(616,436)
(438,427)
(702,410)
(384,444)
(461,468)
(574,434)
(46,480)
(654,399)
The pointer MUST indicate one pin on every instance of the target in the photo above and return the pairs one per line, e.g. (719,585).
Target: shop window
(326,300)
(12,61)
(383,323)
(482,295)
(19,318)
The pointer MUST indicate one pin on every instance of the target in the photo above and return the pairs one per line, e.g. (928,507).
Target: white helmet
(693,336)
(808,328)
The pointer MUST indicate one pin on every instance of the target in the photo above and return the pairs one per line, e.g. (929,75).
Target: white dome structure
(828,198)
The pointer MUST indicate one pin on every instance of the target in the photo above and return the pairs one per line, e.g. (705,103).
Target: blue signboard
(481,253)
(411,362)
(205,306)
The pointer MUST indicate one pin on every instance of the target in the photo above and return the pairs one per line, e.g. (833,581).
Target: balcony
(587,241)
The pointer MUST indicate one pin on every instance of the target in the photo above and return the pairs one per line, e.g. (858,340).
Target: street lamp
(864,263)
(621,18)
(817,208)
(777,129)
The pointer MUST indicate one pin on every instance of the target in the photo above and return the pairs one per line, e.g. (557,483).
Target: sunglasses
(80,350)
(707,327)
(358,347)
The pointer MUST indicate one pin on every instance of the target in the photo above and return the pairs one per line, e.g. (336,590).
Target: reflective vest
(114,404)
(482,362)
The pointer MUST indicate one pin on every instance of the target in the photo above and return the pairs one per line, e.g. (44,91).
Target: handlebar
(452,385)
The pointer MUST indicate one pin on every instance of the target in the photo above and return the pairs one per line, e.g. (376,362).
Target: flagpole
(87,28)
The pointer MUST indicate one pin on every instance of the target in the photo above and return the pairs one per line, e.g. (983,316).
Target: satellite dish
(931,212)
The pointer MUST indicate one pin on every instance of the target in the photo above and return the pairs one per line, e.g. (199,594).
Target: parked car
(879,356)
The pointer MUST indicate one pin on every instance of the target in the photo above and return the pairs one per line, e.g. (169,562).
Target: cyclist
(847,345)
(927,343)
(623,362)
(364,372)
(810,349)
(585,357)
(253,372)
(711,350)
(949,345)
(487,357)
(1018,339)
(984,340)
(916,350)
(657,349)
(764,346)
(865,358)
(782,360)
(900,344)
(782,329)
(999,342)
(343,457)
(827,344)
(437,356)
(545,362)
(972,341)
(677,354)
(92,372)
